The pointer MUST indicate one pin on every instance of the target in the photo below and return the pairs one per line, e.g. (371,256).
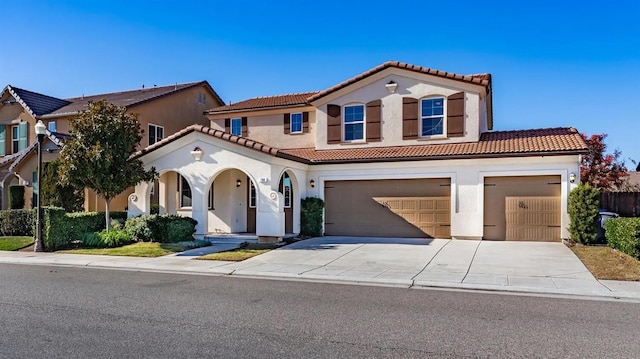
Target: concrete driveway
(519,266)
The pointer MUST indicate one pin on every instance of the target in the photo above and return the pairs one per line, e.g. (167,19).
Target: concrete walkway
(549,268)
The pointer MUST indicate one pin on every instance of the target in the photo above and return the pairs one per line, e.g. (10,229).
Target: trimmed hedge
(54,235)
(80,223)
(161,228)
(311,216)
(584,204)
(623,234)
(17,222)
(16,197)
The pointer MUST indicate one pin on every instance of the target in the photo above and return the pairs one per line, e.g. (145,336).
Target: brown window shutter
(455,115)
(245,131)
(287,123)
(227,125)
(334,124)
(409,118)
(374,115)
(305,122)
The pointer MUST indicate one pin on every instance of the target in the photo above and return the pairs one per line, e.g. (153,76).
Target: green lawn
(140,249)
(240,254)
(14,243)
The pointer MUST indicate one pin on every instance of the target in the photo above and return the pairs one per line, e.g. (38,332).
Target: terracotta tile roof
(258,103)
(477,79)
(242,141)
(491,144)
(550,141)
(126,98)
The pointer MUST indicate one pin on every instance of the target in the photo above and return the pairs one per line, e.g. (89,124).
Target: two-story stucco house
(162,110)
(399,151)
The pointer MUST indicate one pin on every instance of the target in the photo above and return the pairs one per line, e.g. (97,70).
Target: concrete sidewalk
(548,268)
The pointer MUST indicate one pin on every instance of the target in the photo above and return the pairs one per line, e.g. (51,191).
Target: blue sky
(553,63)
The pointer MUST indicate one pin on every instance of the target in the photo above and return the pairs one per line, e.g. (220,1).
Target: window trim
(155,133)
(239,120)
(181,178)
(15,139)
(363,122)
(253,195)
(54,126)
(444,117)
(291,131)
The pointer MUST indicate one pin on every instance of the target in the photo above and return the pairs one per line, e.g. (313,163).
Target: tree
(601,170)
(58,195)
(98,156)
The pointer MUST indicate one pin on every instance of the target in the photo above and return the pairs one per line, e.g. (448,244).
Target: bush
(584,204)
(155,209)
(54,225)
(16,197)
(17,222)
(164,229)
(623,234)
(81,223)
(104,239)
(311,216)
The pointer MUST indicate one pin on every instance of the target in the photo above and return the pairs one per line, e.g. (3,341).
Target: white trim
(291,131)
(179,204)
(255,195)
(155,134)
(444,117)
(363,122)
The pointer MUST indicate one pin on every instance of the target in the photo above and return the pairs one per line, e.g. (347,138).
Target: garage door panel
(389,208)
(522,208)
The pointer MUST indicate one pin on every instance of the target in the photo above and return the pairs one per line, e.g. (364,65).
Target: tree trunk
(106,214)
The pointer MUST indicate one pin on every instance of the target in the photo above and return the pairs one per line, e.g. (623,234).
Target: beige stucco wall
(95,203)
(409,85)
(268,127)
(11,115)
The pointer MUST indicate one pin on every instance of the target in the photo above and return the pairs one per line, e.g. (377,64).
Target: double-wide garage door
(522,208)
(389,208)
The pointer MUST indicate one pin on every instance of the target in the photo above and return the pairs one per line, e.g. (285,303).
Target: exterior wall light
(197,154)
(238,182)
(312,183)
(391,86)
(572,177)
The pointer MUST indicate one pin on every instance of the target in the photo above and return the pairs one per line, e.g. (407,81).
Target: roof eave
(215,112)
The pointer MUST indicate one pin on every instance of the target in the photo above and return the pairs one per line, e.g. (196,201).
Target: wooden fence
(626,204)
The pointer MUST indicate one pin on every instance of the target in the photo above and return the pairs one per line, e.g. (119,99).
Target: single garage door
(522,208)
(388,208)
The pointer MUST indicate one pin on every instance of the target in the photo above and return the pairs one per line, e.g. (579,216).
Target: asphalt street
(64,312)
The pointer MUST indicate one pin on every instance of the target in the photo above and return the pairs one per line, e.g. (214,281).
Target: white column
(199,204)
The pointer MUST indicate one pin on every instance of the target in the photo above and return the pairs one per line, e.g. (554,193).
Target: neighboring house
(399,151)
(162,110)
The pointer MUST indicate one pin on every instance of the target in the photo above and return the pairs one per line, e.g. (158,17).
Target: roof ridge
(132,90)
(33,92)
(281,95)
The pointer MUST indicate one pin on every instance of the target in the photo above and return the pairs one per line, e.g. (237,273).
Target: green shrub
(54,228)
(17,222)
(623,234)
(104,239)
(155,209)
(311,216)
(164,229)
(80,223)
(584,204)
(16,197)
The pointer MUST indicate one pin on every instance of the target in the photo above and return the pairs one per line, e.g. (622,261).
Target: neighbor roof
(126,98)
(550,141)
(35,103)
(268,102)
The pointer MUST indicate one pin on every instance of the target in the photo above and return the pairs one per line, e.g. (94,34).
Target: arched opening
(174,194)
(232,203)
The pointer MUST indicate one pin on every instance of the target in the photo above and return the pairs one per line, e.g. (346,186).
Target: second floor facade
(394,104)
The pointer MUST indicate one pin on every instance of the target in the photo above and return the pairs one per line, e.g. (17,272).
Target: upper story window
(296,123)
(432,117)
(51,126)
(202,98)
(236,126)
(15,139)
(156,133)
(354,122)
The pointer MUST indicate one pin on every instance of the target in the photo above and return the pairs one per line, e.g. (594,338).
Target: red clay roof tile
(265,102)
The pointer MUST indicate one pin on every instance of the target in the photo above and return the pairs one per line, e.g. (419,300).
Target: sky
(554,63)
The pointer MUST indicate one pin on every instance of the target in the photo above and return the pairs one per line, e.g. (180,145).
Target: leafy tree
(55,193)
(600,170)
(103,138)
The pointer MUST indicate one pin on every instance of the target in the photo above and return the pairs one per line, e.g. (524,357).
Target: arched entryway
(174,193)
(231,203)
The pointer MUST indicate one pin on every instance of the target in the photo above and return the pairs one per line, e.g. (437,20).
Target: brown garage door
(388,208)
(522,208)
